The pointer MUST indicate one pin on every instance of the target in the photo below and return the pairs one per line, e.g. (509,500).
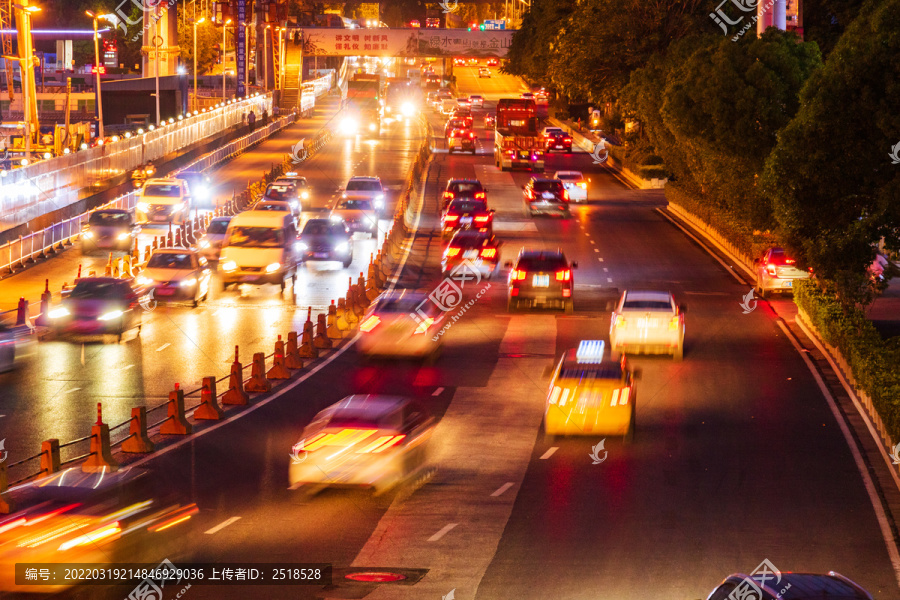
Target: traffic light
(481,27)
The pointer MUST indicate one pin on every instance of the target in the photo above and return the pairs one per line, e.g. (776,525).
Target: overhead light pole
(99,96)
(202,19)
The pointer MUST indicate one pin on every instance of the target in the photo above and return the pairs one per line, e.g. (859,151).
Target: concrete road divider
(209,409)
(372,290)
(292,358)
(279,368)
(46,296)
(100,458)
(6,505)
(361,298)
(177,423)
(138,442)
(49,457)
(236,393)
(258,382)
(331,327)
(322,341)
(343,322)
(109,266)
(22,316)
(307,346)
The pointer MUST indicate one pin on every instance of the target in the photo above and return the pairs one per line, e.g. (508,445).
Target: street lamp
(99,99)
(224,42)
(195,57)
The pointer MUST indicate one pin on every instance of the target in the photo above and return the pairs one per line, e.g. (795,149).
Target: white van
(162,201)
(259,247)
(449,105)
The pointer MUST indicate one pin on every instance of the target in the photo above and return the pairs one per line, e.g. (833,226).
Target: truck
(363,108)
(517,141)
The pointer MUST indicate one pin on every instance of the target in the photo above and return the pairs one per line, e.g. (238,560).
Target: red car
(459,62)
(555,138)
(493,62)
(462,140)
(481,249)
(461,214)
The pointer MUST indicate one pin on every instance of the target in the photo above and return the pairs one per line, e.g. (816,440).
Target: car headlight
(304,195)
(379,197)
(113,314)
(57,313)
(204,243)
(408,109)
(371,126)
(348,126)
(178,207)
(302,246)
(229,266)
(87,235)
(273,267)
(336,218)
(188,282)
(144,280)
(202,192)
(370,219)
(295,204)
(143,206)
(344,195)
(343,247)
(123,236)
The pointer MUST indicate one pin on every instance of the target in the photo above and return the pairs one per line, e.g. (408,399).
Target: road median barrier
(322,341)
(176,423)
(331,327)
(258,383)
(279,368)
(138,442)
(307,343)
(343,322)
(100,457)
(209,409)
(293,360)
(236,394)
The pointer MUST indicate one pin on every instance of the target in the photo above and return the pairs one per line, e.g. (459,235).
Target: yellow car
(591,396)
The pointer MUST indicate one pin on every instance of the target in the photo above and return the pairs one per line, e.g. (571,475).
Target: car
(555,138)
(464,113)
(457,123)
(547,196)
(480,248)
(326,239)
(431,97)
(493,62)
(462,139)
(370,441)
(401,324)
(647,322)
(575,184)
(283,192)
(462,214)
(109,229)
(472,62)
(605,394)
(163,201)
(200,187)
(304,191)
(541,278)
(98,306)
(464,102)
(476,100)
(484,73)
(260,248)
(775,585)
(776,272)
(366,188)
(210,244)
(359,215)
(448,105)
(527,96)
(459,62)
(463,189)
(279,206)
(176,274)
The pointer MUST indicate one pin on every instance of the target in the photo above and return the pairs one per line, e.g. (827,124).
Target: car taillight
(488,252)
(382,443)
(771,270)
(518,275)
(567,293)
(448,195)
(471,135)
(480,195)
(369,324)
(564,275)
(452,251)
(512,152)
(482,218)
(789,261)
(620,396)
(451,218)
(565,195)
(620,321)
(674,322)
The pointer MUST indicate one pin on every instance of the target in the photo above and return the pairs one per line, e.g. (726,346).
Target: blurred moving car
(176,274)
(7,348)
(459,62)
(366,188)
(527,96)
(163,201)
(363,441)
(100,518)
(279,206)
(555,138)
(448,105)
(463,189)
(200,188)
(541,278)
(484,73)
(456,123)
(260,247)
(304,191)
(283,192)
(463,102)
(480,248)
(211,243)
(493,62)
(590,395)
(476,100)
(776,272)
(547,196)
(109,229)
(462,214)
(358,215)
(463,140)
(648,322)
(98,306)
(775,585)
(401,324)
(326,239)
(575,185)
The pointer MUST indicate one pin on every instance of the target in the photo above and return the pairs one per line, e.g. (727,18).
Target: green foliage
(533,44)
(832,184)
(873,361)
(824,21)
(208,35)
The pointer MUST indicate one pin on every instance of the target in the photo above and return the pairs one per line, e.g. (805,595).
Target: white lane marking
(126,367)
(221,526)
(72,390)
(609,279)
(605,270)
(883,523)
(600,259)
(593,242)
(597,250)
(444,530)
(502,489)
(163,347)
(438,392)
(549,453)
(1,416)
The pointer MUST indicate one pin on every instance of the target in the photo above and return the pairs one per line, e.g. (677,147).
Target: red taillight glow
(564,275)
(471,135)
(771,269)
(452,251)
(518,275)
(480,195)
(381,444)
(488,252)
(451,218)
(448,195)
(567,139)
(482,218)
(567,293)
(369,324)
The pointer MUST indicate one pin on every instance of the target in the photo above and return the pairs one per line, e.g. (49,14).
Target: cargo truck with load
(517,140)
(362,113)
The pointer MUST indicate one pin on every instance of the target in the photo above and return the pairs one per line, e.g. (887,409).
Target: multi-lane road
(737,456)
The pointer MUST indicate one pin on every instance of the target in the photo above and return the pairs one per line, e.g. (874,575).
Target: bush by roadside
(872,360)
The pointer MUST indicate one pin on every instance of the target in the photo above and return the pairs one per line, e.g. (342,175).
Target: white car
(163,201)
(401,324)
(775,272)
(365,188)
(648,322)
(476,100)
(575,184)
(362,441)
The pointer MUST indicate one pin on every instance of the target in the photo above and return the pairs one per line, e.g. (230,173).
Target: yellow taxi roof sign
(590,351)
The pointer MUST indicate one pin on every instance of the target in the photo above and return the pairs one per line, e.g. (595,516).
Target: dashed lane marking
(502,489)
(549,453)
(221,526)
(444,531)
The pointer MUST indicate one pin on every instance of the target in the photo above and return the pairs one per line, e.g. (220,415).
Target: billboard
(405,42)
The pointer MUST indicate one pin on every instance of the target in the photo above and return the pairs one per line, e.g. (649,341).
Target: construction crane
(6,26)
